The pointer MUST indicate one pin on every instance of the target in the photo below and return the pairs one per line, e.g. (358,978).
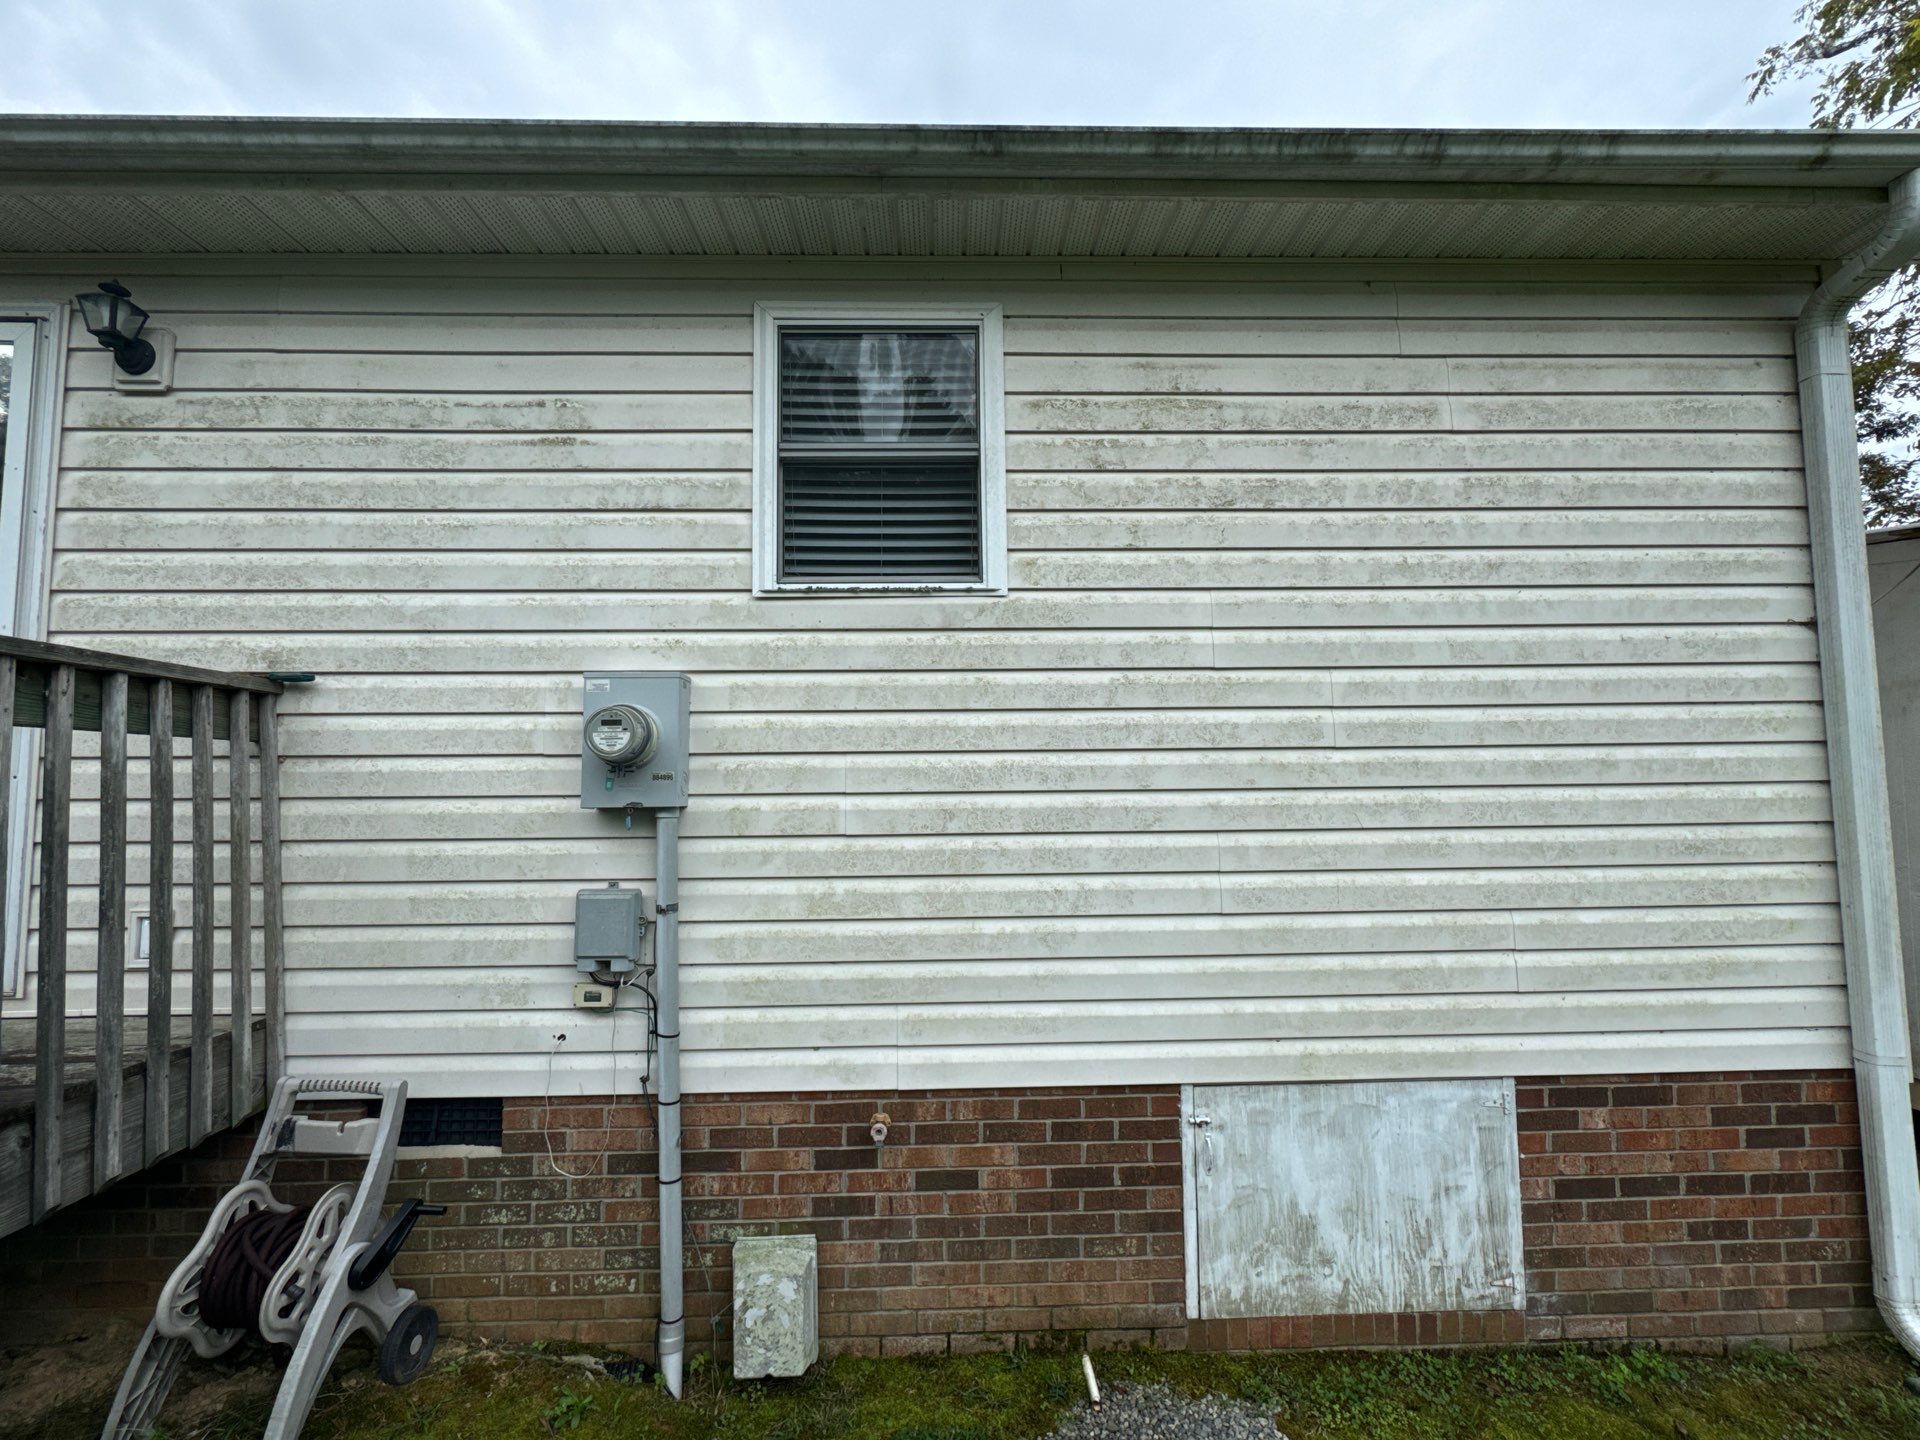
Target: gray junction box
(633,739)
(608,926)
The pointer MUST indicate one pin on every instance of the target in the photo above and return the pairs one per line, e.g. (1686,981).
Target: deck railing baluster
(159,1127)
(50,1031)
(272,911)
(200,1068)
(240,899)
(110,939)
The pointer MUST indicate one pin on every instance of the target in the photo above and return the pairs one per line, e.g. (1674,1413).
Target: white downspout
(1856,763)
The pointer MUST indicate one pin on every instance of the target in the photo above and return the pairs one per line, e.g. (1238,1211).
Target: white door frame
(37,330)
(1190,1161)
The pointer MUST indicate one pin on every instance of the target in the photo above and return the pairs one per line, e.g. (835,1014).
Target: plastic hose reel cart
(332,1284)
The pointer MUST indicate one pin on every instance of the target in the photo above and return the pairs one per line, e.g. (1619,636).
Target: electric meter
(623,734)
(633,739)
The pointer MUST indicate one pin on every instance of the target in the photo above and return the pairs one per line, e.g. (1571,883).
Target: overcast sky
(1606,63)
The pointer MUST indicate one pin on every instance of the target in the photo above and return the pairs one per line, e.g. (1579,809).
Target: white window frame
(769,318)
(37,330)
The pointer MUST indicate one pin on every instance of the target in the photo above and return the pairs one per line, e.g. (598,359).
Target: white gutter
(1856,762)
(91,151)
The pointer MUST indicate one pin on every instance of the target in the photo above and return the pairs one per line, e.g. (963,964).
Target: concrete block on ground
(776,1305)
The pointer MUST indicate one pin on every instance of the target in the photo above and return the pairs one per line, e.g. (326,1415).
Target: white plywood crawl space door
(1351,1199)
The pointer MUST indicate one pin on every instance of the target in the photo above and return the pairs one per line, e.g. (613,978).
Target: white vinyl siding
(1399,678)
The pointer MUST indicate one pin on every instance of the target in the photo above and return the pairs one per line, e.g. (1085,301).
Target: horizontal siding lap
(941,780)
(1069,610)
(907,900)
(727,449)
(1028,490)
(1343,816)
(311,367)
(1091,730)
(380,652)
(556,694)
(589,860)
(410,530)
(589,1070)
(1400,678)
(322,413)
(1199,1023)
(486,972)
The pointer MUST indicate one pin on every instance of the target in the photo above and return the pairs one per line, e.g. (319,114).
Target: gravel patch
(1153,1412)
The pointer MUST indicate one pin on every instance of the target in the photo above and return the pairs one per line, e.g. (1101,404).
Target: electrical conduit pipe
(666,1003)
(1856,763)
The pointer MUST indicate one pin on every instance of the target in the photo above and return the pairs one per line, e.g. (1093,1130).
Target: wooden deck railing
(62,690)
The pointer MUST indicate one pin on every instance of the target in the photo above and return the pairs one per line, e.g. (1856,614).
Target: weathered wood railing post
(239,900)
(272,906)
(200,1067)
(159,1122)
(50,1031)
(110,938)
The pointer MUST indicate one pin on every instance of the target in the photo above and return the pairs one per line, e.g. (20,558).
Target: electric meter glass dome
(622,734)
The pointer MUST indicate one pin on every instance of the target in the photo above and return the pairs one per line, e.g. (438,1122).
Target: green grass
(1845,1392)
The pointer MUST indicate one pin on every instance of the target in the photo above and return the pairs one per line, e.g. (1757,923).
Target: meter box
(633,742)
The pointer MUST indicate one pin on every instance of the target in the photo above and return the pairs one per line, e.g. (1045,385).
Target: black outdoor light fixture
(115,321)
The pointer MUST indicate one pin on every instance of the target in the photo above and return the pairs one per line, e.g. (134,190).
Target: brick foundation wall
(985,1217)
(1691,1210)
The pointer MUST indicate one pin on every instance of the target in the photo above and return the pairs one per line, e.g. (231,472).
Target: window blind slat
(906,520)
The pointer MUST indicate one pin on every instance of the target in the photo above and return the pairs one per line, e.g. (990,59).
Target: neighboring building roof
(143,185)
(1893,532)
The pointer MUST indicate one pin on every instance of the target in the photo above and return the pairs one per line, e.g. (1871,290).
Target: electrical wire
(546,1118)
(646,1056)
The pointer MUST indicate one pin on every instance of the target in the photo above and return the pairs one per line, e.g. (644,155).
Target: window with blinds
(877,455)
(880,455)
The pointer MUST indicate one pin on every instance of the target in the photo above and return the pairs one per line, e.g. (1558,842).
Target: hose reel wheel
(408,1348)
(296,1284)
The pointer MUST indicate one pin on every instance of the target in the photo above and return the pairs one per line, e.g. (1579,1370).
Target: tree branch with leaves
(1866,56)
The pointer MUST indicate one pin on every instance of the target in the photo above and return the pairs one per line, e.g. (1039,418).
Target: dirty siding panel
(1405,641)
